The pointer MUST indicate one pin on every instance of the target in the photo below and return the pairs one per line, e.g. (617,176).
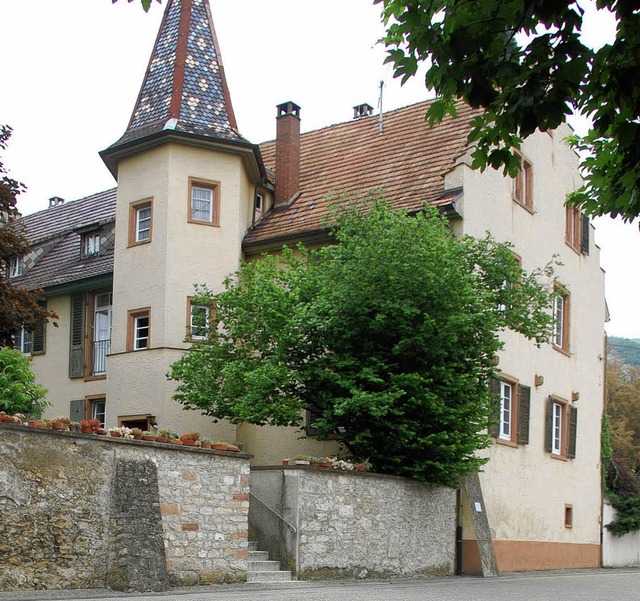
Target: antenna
(380,105)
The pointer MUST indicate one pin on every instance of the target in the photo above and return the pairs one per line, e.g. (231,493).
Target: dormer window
(259,203)
(91,244)
(15,267)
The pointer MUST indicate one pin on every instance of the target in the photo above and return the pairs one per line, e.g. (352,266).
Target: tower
(186,187)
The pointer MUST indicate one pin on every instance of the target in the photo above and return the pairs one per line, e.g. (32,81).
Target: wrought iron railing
(101,348)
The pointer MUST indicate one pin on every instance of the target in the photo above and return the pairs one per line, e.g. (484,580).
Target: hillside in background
(627,349)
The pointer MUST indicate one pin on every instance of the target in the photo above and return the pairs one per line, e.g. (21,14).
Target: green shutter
(76,350)
(39,334)
(524,407)
(76,410)
(548,430)
(494,418)
(584,241)
(573,430)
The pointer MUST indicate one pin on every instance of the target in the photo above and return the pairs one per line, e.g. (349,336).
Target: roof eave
(250,153)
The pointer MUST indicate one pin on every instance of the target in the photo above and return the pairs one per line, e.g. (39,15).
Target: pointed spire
(184,88)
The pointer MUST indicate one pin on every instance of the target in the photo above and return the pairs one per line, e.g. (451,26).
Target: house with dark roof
(194,197)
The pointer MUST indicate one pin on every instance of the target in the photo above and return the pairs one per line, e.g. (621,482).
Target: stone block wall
(351,524)
(79,511)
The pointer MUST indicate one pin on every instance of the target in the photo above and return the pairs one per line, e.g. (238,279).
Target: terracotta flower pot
(189,443)
(149,438)
(161,439)
(8,419)
(34,423)
(205,445)
(86,430)
(219,447)
(115,434)
(59,425)
(233,448)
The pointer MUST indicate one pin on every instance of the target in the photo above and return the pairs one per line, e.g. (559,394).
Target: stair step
(269,576)
(263,566)
(258,556)
(253,545)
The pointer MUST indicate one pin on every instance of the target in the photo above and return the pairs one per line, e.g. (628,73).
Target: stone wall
(352,524)
(80,511)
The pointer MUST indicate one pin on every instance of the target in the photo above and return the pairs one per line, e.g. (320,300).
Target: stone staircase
(262,569)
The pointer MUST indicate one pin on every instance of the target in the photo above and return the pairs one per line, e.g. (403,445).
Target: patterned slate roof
(184,89)
(407,161)
(56,241)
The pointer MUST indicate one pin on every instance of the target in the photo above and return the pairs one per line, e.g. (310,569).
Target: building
(194,196)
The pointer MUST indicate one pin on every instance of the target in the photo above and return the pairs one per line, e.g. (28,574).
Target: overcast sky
(71,71)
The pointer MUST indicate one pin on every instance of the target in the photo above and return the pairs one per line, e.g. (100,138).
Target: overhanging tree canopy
(525,64)
(387,337)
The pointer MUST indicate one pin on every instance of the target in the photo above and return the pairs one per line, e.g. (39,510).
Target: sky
(71,71)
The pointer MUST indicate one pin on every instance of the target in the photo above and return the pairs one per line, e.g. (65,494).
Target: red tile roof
(407,161)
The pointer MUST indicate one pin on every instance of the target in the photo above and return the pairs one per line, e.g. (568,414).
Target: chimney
(287,152)
(55,201)
(362,110)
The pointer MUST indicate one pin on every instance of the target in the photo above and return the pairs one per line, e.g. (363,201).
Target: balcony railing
(101,348)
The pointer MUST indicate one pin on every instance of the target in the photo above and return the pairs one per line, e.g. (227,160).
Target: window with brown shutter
(76,350)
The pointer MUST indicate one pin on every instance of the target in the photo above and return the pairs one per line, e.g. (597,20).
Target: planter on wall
(59,425)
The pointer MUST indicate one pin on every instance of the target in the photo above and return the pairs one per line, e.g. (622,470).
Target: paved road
(582,585)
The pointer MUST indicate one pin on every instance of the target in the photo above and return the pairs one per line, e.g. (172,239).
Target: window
(568,516)
(510,422)
(139,328)
(15,267)
(32,343)
(203,202)
(199,318)
(140,222)
(523,185)
(560,335)
(101,343)
(577,230)
(97,409)
(561,428)
(91,244)
(23,341)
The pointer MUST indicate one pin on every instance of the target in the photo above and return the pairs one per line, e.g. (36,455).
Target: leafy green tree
(146,4)
(525,66)
(19,392)
(387,337)
(19,308)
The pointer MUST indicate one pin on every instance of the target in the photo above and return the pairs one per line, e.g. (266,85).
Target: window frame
(505,426)
(134,222)
(208,318)
(519,411)
(522,192)
(561,428)
(91,402)
(214,188)
(560,335)
(94,235)
(576,234)
(19,341)
(132,327)
(16,266)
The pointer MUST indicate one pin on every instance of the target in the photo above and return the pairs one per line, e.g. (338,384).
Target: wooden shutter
(76,350)
(584,239)
(573,430)
(548,430)
(494,418)
(76,410)
(524,407)
(39,334)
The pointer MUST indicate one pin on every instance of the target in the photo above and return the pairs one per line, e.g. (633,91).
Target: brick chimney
(287,152)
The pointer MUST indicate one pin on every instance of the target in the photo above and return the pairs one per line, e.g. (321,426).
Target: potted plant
(233,448)
(174,438)
(285,461)
(219,445)
(189,438)
(136,433)
(60,423)
(148,436)
(74,426)
(301,460)
(205,442)
(163,436)
(89,426)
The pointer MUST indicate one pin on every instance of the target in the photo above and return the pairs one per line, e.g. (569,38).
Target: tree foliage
(387,337)
(525,65)
(146,4)
(19,308)
(19,392)
(621,448)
